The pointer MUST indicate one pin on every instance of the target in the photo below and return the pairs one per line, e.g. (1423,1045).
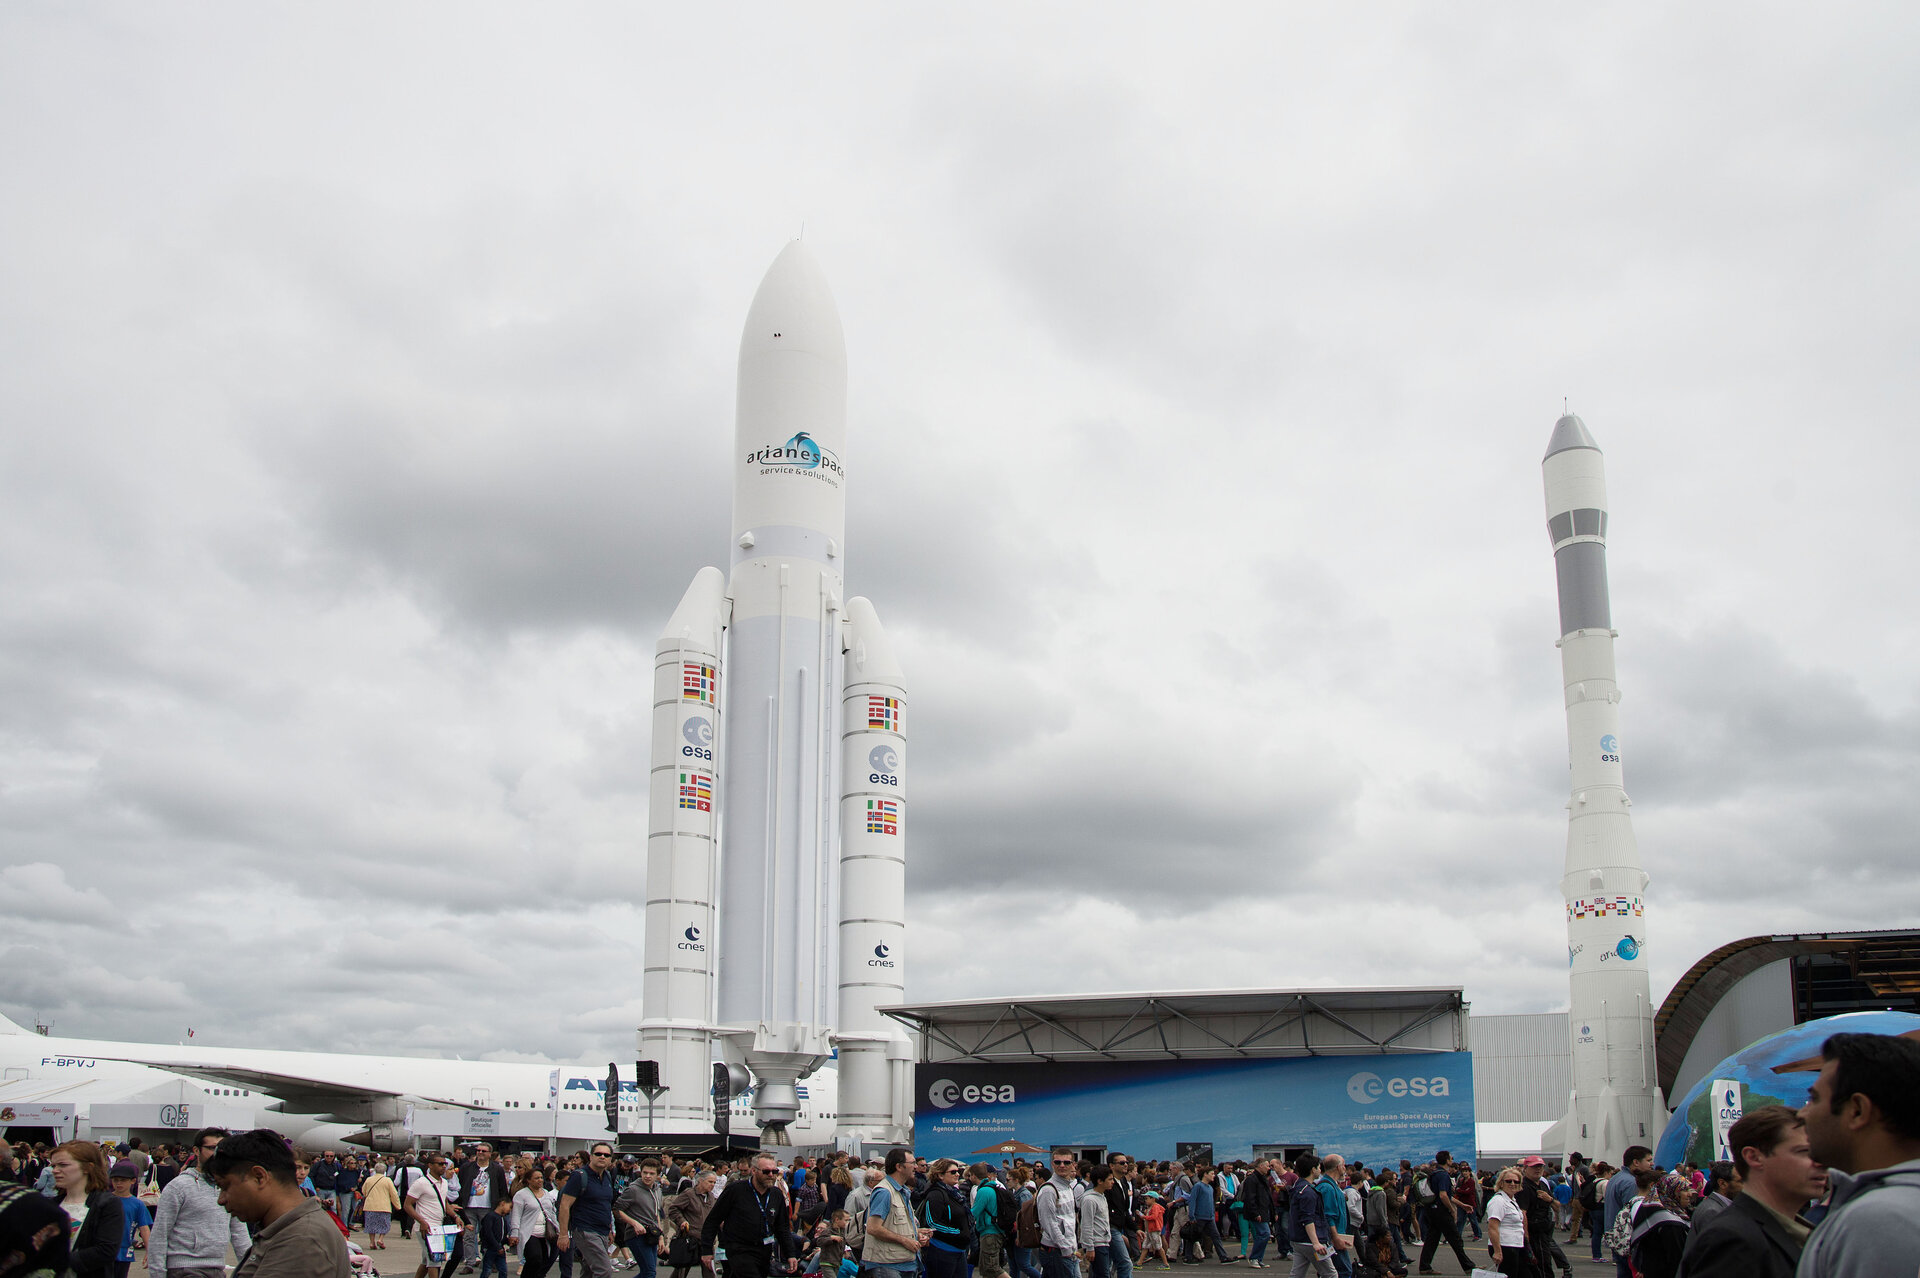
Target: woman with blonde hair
(80,1179)
(1507,1226)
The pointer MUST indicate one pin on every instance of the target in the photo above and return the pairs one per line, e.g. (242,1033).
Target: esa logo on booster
(945,1094)
(1365,1088)
(699,735)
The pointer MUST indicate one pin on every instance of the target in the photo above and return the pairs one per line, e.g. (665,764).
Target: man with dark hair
(1723,1182)
(1442,1221)
(586,1213)
(1863,1122)
(893,1243)
(296,1239)
(1307,1226)
(1621,1191)
(1761,1232)
(191,1233)
(641,1208)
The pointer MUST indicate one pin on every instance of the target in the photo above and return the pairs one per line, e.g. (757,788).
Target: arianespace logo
(1365,1087)
(801,455)
(881,956)
(1625,948)
(693,941)
(945,1094)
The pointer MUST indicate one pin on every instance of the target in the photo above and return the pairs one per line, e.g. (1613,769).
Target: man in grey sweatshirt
(191,1230)
(1863,1122)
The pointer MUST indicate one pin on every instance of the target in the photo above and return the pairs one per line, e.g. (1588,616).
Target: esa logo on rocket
(699,734)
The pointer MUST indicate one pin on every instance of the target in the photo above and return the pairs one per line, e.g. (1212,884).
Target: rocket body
(770,799)
(779,878)
(1615,1100)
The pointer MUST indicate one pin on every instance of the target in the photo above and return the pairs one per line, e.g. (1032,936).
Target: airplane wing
(298,1093)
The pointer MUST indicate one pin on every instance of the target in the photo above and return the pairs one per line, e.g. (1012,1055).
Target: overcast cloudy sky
(366,404)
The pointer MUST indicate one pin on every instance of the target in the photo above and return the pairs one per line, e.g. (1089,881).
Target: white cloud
(354,446)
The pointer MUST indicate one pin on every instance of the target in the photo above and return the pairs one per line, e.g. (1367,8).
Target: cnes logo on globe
(1365,1088)
(945,1094)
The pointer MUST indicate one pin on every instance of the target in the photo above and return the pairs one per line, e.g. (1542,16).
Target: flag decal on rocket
(696,682)
(883,815)
(883,713)
(1619,907)
(696,791)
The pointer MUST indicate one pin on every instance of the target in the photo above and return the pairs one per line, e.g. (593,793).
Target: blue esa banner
(1375,1108)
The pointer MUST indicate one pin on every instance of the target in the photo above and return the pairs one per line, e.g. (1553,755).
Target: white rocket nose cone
(1569,432)
(794,310)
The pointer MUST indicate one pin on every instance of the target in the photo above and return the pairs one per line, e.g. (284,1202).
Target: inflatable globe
(1777,1070)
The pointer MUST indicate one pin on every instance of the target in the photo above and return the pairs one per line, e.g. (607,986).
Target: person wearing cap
(1536,1200)
(125,1176)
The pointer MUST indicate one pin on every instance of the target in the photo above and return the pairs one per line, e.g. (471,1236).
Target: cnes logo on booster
(945,1094)
(1365,1088)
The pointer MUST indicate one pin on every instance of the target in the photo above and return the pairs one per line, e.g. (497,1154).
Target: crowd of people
(1831,1190)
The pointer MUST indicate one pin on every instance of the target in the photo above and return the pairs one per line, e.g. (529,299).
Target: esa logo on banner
(1365,1087)
(945,1094)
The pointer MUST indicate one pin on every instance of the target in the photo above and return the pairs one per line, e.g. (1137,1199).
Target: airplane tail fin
(8,1027)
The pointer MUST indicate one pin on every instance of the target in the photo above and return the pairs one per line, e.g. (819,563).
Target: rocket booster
(1615,1100)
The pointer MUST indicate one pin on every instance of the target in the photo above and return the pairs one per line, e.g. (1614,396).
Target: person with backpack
(1441,1220)
(995,1216)
(1645,1236)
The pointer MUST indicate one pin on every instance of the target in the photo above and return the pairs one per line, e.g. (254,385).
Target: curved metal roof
(1887,962)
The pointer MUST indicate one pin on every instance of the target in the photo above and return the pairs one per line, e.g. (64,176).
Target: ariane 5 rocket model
(776,848)
(1615,1099)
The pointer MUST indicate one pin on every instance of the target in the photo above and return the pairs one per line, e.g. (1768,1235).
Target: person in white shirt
(1507,1227)
(430,1203)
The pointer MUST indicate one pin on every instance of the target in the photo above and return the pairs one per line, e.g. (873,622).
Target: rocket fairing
(1615,1100)
(779,846)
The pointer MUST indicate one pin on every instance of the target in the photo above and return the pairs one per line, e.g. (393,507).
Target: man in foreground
(191,1233)
(1761,1232)
(1863,1122)
(586,1213)
(296,1238)
(750,1226)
